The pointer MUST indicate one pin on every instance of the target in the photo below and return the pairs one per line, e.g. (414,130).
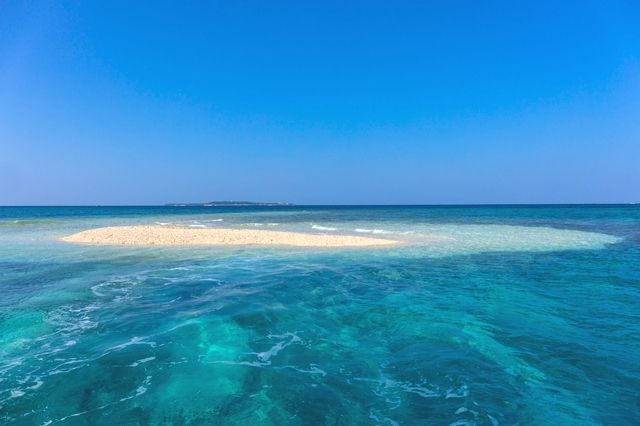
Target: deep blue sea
(524,315)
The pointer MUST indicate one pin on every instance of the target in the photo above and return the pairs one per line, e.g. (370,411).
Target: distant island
(228,204)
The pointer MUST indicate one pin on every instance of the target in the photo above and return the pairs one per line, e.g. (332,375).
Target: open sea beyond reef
(523,315)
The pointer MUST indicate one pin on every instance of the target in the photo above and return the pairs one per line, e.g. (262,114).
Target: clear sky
(319,102)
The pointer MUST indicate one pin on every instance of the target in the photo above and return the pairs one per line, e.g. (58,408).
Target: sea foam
(372,231)
(323,228)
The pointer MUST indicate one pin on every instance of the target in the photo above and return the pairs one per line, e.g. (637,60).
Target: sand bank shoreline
(141,235)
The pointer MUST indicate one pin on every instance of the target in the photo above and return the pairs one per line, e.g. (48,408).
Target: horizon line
(198,205)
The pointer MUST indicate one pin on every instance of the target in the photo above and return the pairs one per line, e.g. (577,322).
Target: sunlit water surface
(485,316)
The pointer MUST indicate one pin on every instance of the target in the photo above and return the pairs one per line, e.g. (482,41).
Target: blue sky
(319,102)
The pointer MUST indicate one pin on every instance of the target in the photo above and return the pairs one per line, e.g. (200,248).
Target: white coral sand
(177,236)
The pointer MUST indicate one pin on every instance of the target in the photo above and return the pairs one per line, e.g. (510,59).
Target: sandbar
(152,235)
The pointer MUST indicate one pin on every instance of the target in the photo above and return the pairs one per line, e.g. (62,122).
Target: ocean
(488,315)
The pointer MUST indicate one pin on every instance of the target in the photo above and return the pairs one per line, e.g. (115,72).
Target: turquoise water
(487,316)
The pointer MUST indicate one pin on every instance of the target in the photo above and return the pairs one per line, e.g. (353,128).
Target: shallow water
(488,315)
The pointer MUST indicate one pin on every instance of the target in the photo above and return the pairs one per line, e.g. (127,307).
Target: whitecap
(462,392)
(248,363)
(380,419)
(16,393)
(139,390)
(80,413)
(313,369)
(133,341)
(421,391)
(462,423)
(372,231)
(324,228)
(142,361)
(273,351)
(381,231)
(37,384)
